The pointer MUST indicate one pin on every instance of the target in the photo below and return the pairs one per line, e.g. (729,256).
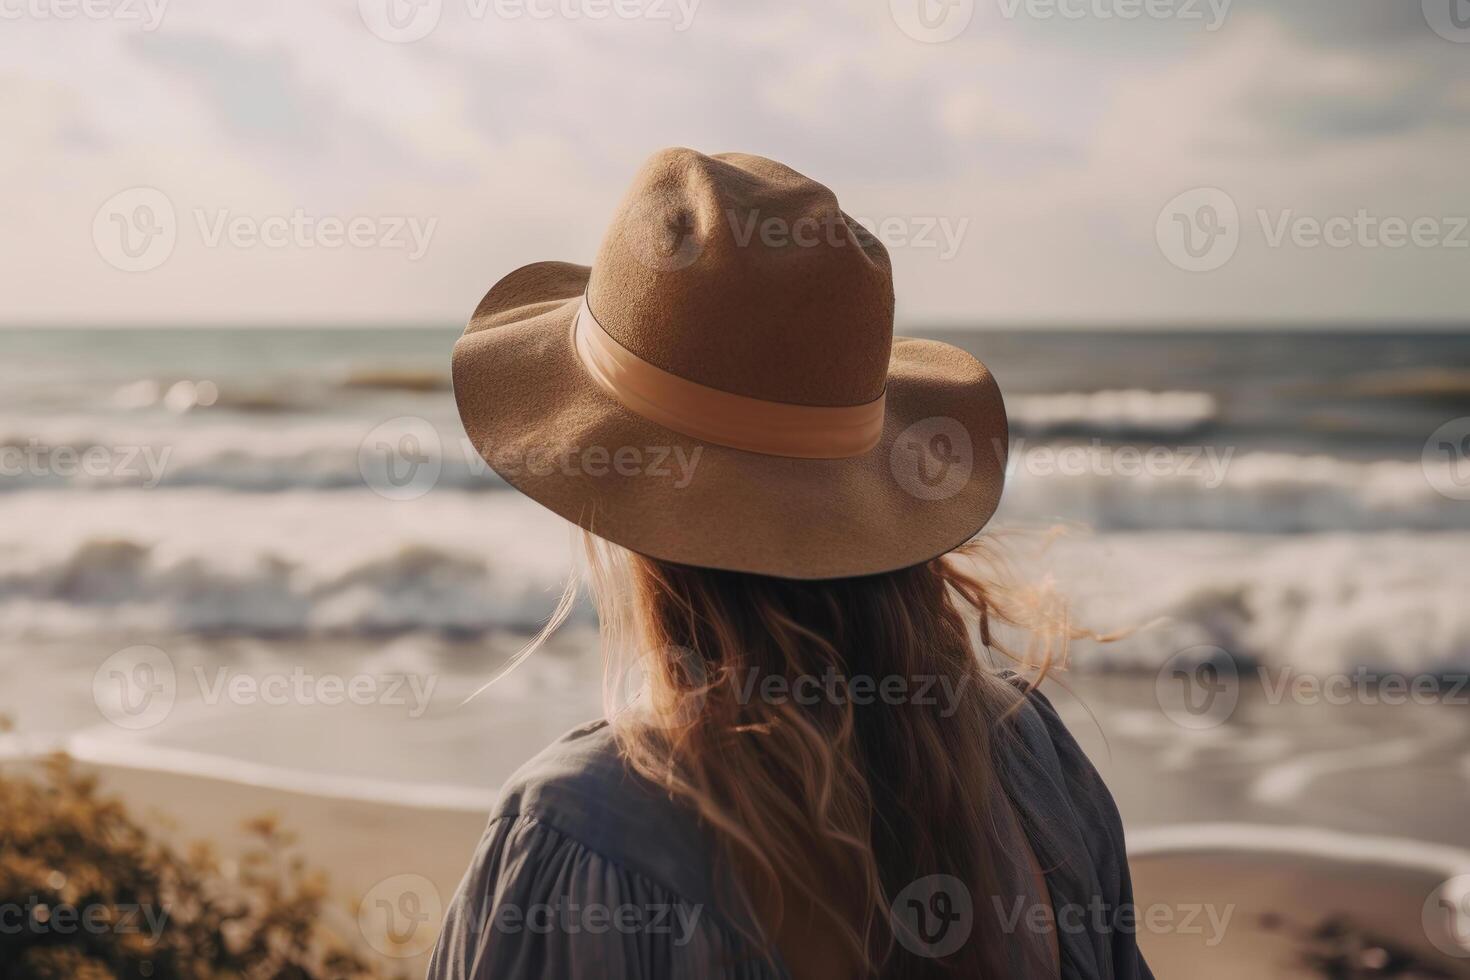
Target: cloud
(1056,141)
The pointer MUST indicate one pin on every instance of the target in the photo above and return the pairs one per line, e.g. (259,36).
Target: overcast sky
(202,161)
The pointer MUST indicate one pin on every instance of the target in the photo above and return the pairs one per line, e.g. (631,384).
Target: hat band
(722,417)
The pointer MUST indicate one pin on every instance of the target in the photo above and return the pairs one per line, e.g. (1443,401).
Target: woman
(821,778)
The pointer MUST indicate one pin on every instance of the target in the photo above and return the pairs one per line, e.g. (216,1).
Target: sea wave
(354,565)
(1105,485)
(84,454)
(307,563)
(1133,412)
(1385,602)
(1208,488)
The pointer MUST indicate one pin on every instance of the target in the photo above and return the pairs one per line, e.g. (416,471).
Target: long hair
(842,737)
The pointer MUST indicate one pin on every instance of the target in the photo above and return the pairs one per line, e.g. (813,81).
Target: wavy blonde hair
(829,804)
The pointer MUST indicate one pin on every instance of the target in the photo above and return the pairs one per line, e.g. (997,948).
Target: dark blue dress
(587,872)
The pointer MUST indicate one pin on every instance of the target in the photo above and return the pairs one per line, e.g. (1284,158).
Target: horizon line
(1148,325)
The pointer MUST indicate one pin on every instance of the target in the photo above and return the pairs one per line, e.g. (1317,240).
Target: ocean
(208,515)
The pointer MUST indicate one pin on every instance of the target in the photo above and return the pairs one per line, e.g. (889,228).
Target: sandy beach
(1265,895)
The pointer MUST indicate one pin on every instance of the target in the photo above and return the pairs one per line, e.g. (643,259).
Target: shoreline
(1236,898)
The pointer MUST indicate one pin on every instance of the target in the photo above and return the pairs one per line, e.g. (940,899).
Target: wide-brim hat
(722,387)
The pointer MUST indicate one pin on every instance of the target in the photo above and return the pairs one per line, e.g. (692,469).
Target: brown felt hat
(722,387)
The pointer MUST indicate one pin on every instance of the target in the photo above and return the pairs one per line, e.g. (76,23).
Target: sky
(1166,162)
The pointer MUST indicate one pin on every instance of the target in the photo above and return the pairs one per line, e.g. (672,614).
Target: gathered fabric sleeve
(537,904)
(1077,832)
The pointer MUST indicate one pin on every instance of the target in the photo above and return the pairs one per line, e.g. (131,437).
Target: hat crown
(737,272)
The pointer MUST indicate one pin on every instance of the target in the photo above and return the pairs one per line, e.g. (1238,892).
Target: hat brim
(546,427)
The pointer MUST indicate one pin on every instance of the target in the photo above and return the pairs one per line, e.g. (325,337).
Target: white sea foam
(1206,488)
(1108,487)
(351,563)
(1387,602)
(1113,412)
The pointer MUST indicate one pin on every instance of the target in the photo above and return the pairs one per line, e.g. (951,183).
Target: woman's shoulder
(1074,827)
(585,865)
(581,787)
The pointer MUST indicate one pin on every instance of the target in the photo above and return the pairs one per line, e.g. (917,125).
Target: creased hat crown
(737,272)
